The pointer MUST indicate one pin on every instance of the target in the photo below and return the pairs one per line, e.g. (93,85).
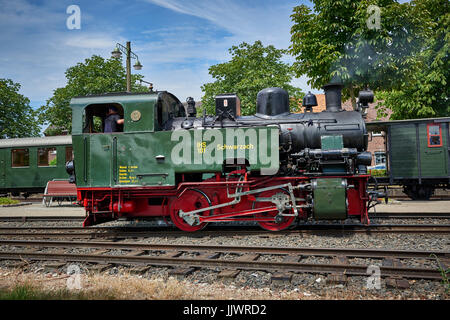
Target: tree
(426,93)
(338,41)
(95,76)
(17,118)
(251,69)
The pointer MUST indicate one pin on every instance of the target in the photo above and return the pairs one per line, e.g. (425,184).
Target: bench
(59,190)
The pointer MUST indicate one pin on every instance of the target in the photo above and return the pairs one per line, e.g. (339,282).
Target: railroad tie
(100,267)
(248,257)
(208,255)
(444,264)
(397,283)
(58,252)
(392,263)
(100,252)
(181,273)
(337,278)
(140,270)
(340,260)
(53,266)
(228,275)
(281,278)
(135,253)
(291,258)
(171,254)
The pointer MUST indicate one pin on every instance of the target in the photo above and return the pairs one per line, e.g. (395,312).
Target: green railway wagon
(27,164)
(418,153)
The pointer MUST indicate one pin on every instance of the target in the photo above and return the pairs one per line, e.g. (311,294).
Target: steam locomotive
(273,167)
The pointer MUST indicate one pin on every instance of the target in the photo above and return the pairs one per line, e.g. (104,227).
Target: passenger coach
(27,164)
(418,153)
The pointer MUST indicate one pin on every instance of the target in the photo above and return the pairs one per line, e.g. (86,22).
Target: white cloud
(267,22)
(91,41)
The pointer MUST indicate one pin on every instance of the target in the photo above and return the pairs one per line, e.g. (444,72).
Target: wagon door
(433,143)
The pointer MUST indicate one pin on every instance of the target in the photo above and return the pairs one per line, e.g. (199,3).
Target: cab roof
(114,97)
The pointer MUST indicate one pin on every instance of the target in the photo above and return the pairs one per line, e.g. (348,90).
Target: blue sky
(176,40)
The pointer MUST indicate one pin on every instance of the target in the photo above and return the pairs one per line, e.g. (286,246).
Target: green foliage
(95,76)
(4,200)
(426,93)
(444,273)
(17,118)
(334,41)
(377,172)
(251,69)
(53,162)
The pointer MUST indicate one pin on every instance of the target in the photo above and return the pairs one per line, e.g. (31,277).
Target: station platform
(38,209)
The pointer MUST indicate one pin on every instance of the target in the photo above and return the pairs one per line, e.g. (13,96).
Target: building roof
(39,141)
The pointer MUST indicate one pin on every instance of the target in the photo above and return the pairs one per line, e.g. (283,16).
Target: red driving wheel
(272,224)
(190,200)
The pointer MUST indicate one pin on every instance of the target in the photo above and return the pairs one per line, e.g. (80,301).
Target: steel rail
(378,215)
(300,228)
(354,270)
(302,251)
(144,232)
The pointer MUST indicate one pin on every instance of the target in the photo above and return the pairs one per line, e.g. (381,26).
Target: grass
(28,291)
(444,274)
(18,285)
(4,200)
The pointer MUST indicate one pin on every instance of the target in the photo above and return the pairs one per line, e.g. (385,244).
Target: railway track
(378,215)
(129,232)
(288,260)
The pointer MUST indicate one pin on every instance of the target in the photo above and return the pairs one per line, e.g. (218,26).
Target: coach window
(434,134)
(20,158)
(69,154)
(46,157)
(94,117)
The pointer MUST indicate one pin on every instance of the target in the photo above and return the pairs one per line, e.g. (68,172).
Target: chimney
(333,93)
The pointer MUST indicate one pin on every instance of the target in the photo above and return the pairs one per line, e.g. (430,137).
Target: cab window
(168,108)
(434,135)
(20,158)
(97,118)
